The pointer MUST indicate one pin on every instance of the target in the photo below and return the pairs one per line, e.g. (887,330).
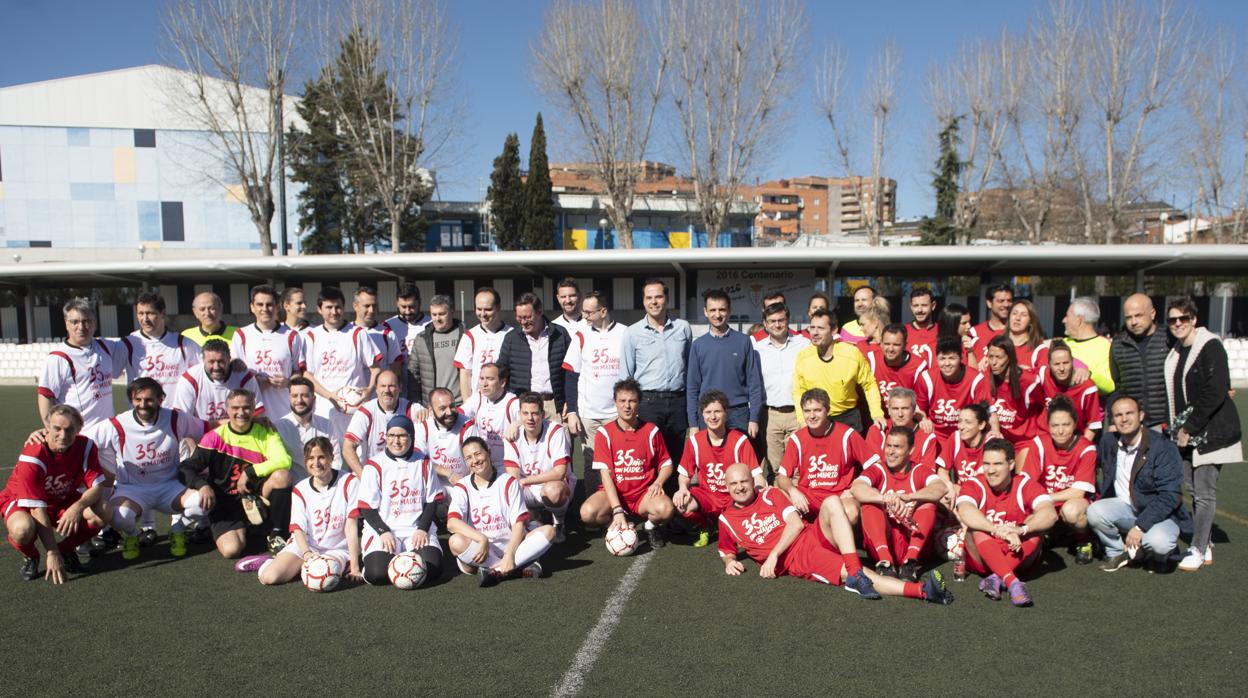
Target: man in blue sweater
(724,359)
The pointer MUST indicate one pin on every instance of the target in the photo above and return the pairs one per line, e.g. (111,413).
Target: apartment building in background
(818,206)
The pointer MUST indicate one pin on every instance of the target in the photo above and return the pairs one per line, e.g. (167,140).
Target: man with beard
(921,332)
(895,367)
(202,390)
(998,298)
(272,351)
(406,328)
(153,351)
(301,424)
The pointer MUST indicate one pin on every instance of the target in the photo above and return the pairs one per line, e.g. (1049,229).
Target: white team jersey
(407,332)
(201,397)
(492,418)
(387,344)
(270,353)
(145,454)
(341,358)
(595,355)
(493,510)
(478,347)
(399,489)
(322,514)
(82,378)
(572,326)
(542,456)
(295,435)
(367,429)
(163,359)
(445,446)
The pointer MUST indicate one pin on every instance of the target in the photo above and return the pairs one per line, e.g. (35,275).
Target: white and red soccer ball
(621,540)
(321,573)
(407,571)
(352,398)
(952,542)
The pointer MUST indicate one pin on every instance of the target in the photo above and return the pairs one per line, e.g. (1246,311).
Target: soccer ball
(621,541)
(353,397)
(952,542)
(321,573)
(406,571)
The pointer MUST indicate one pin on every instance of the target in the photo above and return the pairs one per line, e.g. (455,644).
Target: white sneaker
(1209,554)
(1193,561)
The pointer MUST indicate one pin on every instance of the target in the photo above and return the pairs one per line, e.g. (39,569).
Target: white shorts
(495,557)
(158,496)
(372,541)
(532,494)
(341,556)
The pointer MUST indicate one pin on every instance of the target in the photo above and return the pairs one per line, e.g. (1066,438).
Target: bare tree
(968,89)
(835,105)
(393,99)
(598,63)
(732,66)
(1137,60)
(1042,99)
(1210,110)
(235,53)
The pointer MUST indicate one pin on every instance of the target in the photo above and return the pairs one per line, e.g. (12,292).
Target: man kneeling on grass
(773,534)
(1005,516)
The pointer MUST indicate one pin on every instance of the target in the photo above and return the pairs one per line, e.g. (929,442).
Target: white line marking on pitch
(574,679)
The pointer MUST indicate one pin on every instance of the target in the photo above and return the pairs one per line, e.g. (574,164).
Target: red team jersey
(948,399)
(491,510)
(982,334)
(634,458)
(322,514)
(963,462)
(1012,506)
(275,353)
(82,378)
(926,448)
(906,481)
(922,342)
(163,359)
(911,374)
(1058,470)
(203,398)
(1084,396)
(43,479)
(757,529)
(1017,416)
(708,462)
(823,466)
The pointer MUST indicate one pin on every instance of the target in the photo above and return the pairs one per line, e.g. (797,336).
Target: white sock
(649,525)
(123,520)
(468,556)
(266,564)
(190,507)
(532,547)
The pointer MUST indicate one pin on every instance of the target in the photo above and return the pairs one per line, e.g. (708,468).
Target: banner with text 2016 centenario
(747,287)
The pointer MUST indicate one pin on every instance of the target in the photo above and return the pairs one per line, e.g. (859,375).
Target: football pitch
(656,624)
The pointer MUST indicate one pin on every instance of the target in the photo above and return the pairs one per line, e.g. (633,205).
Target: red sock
(875,532)
(997,556)
(28,550)
(924,521)
(82,535)
(913,590)
(852,564)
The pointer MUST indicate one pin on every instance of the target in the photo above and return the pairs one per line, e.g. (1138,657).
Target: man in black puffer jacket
(534,355)
(1137,359)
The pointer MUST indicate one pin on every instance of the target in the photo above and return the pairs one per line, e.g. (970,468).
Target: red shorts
(710,504)
(812,557)
(815,497)
(11,505)
(631,501)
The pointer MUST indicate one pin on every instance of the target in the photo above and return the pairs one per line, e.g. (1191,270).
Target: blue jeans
(1113,517)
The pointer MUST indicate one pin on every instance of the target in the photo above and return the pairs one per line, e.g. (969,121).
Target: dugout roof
(854,261)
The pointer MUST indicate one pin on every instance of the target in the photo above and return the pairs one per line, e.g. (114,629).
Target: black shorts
(226,515)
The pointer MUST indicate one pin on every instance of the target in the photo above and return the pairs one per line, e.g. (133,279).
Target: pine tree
(506,196)
(539,205)
(314,154)
(940,229)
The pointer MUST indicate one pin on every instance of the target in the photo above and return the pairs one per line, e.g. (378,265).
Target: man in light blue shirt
(655,353)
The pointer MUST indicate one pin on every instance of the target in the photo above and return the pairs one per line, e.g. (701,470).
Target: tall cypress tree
(506,196)
(539,205)
(313,160)
(940,229)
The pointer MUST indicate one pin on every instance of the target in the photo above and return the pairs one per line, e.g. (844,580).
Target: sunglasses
(1180,319)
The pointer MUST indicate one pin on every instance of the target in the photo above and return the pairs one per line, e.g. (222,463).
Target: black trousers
(667,411)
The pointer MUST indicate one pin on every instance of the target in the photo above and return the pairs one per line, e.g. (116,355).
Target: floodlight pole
(281,165)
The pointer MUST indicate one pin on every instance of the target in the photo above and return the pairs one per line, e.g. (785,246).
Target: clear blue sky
(58,38)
